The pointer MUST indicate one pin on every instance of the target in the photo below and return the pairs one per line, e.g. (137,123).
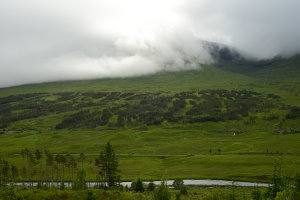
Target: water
(191,182)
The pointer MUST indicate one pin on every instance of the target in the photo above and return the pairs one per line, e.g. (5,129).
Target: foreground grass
(256,168)
(193,193)
(168,153)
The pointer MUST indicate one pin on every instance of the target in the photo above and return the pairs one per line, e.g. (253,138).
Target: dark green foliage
(108,166)
(9,193)
(80,182)
(138,186)
(95,95)
(183,190)
(273,96)
(256,194)
(62,186)
(232,195)
(81,158)
(297,182)
(162,192)
(93,109)
(4,172)
(151,186)
(278,182)
(178,183)
(294,113)
(91,196)
(272,116)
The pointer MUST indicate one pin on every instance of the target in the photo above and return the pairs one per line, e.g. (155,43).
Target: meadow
(215,145)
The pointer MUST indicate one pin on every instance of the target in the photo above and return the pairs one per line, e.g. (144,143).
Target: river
(190,182)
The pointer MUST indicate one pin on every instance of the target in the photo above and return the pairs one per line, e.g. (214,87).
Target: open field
(218,145)
(183,152)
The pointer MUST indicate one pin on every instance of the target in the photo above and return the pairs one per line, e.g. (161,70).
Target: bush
(278,182)
(91,196)
(284,195)
(214,195)
(256,194)
(138,186)
(178,183)
(183,190)
(162,192)
(151,186)
(80,183)
(297,182)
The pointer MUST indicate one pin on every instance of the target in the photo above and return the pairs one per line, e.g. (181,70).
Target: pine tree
(138,186)
(108,166)
(81,158)
(49,164)
(38,156)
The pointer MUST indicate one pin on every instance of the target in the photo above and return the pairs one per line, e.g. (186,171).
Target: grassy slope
(205,78)
(171,140)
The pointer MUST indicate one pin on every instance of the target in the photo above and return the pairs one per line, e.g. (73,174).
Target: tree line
(48,169)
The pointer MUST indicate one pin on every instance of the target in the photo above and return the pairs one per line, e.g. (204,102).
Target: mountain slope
(206,77)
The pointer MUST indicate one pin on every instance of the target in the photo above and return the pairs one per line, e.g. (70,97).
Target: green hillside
(215,122)
(206,77)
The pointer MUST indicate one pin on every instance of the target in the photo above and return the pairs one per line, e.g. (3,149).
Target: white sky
(75,39)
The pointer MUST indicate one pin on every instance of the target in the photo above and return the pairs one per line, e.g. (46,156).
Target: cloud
(75,39)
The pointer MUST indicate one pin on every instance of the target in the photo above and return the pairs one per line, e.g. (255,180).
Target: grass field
(220,150)
(183,152)
(193,193)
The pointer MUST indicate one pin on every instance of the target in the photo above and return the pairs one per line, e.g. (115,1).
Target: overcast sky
(47,40)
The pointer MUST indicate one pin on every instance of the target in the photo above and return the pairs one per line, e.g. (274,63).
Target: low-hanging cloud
(75,39)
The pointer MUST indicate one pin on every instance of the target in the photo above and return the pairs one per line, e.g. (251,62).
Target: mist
(54,40)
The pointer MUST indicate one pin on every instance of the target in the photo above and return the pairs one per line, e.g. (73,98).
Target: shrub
(178,183)
(151,186)
(138,186)
(162,192)
(278,182)
(80,183)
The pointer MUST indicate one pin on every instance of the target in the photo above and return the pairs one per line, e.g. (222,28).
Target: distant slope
(205,78)
(274,70)
(284,71)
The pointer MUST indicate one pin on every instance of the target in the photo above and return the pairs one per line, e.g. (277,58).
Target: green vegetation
(226,122)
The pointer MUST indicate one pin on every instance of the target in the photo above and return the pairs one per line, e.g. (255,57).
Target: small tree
(297,182)
(24,175)
(38,157)
(49,165)
(162,192)
(278,183)
(81,158)
(72,164)
(151,186)
(178,183)
(80,183)
(14,172)
(256,194)
(138,186)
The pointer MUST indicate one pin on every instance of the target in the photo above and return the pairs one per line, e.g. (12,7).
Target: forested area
(115,109)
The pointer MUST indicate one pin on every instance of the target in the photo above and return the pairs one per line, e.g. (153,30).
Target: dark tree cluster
(115,109)
(86,119)
(8,172)
(294,113)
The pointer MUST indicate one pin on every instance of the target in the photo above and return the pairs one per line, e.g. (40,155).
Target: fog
(53,40)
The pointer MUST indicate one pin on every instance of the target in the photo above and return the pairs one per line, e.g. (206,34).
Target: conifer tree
(108,166)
